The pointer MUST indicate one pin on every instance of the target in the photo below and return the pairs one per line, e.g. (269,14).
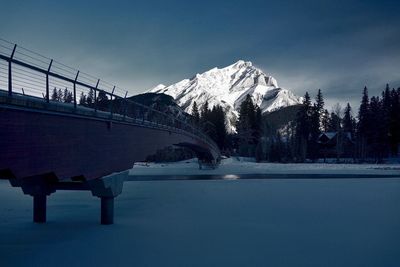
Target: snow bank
(247,166)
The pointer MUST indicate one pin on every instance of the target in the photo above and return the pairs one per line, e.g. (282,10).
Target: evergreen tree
(218,120)
(67,97)
(246,115)
(348,121)
(243,125)
(394,122)
(82,99)
(60,95)
(195,113)
(376,135)
(363,113)
(102,100)
(70,97)
(54,95)
(206,125)
(90,98)
(386,98)
(248,127)
(319,102)
(363,124)
(385,123)
(336,123)
(204,111)
(315,125)
(257,125)
(303,128)
(275,149)
(314,133)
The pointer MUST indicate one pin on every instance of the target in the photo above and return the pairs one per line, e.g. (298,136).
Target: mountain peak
(241,64)
(228,87)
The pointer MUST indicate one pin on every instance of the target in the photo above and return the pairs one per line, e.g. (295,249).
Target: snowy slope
(228,87)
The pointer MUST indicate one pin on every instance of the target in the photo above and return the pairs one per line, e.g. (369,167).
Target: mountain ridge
(228,87)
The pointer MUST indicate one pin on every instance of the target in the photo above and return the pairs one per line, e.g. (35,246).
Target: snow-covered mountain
(228,87)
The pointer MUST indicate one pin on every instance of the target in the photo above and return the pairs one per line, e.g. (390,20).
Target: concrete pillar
(107,210)
(107,188)
(39,208)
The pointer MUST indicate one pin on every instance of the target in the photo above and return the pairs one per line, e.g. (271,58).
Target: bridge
(84,140)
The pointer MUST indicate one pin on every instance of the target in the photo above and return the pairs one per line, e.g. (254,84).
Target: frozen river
(279,222)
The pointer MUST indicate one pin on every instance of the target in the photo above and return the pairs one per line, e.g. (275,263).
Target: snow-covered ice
(326,222)
(246,166)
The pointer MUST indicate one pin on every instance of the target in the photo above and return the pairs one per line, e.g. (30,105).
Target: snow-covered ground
(243,166)
(325,222)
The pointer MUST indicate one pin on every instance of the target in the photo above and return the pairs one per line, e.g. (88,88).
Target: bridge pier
(39,208)
(107,210)
(41,186)
(107,188)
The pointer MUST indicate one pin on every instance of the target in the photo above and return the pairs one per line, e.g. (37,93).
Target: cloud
(338,46)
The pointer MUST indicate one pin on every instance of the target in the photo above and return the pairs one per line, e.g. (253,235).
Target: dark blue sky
(338,46)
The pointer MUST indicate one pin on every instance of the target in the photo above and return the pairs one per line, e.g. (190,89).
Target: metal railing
(25,72)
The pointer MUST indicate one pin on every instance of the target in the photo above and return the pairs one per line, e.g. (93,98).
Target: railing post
(95,95)
(10,72)
(47,83)
(111,101)
(76,78)
(126,93)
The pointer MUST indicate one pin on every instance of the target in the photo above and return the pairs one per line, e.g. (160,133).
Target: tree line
(89,100)
(371,135)
(212,122)
(60,95)
(378,128)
